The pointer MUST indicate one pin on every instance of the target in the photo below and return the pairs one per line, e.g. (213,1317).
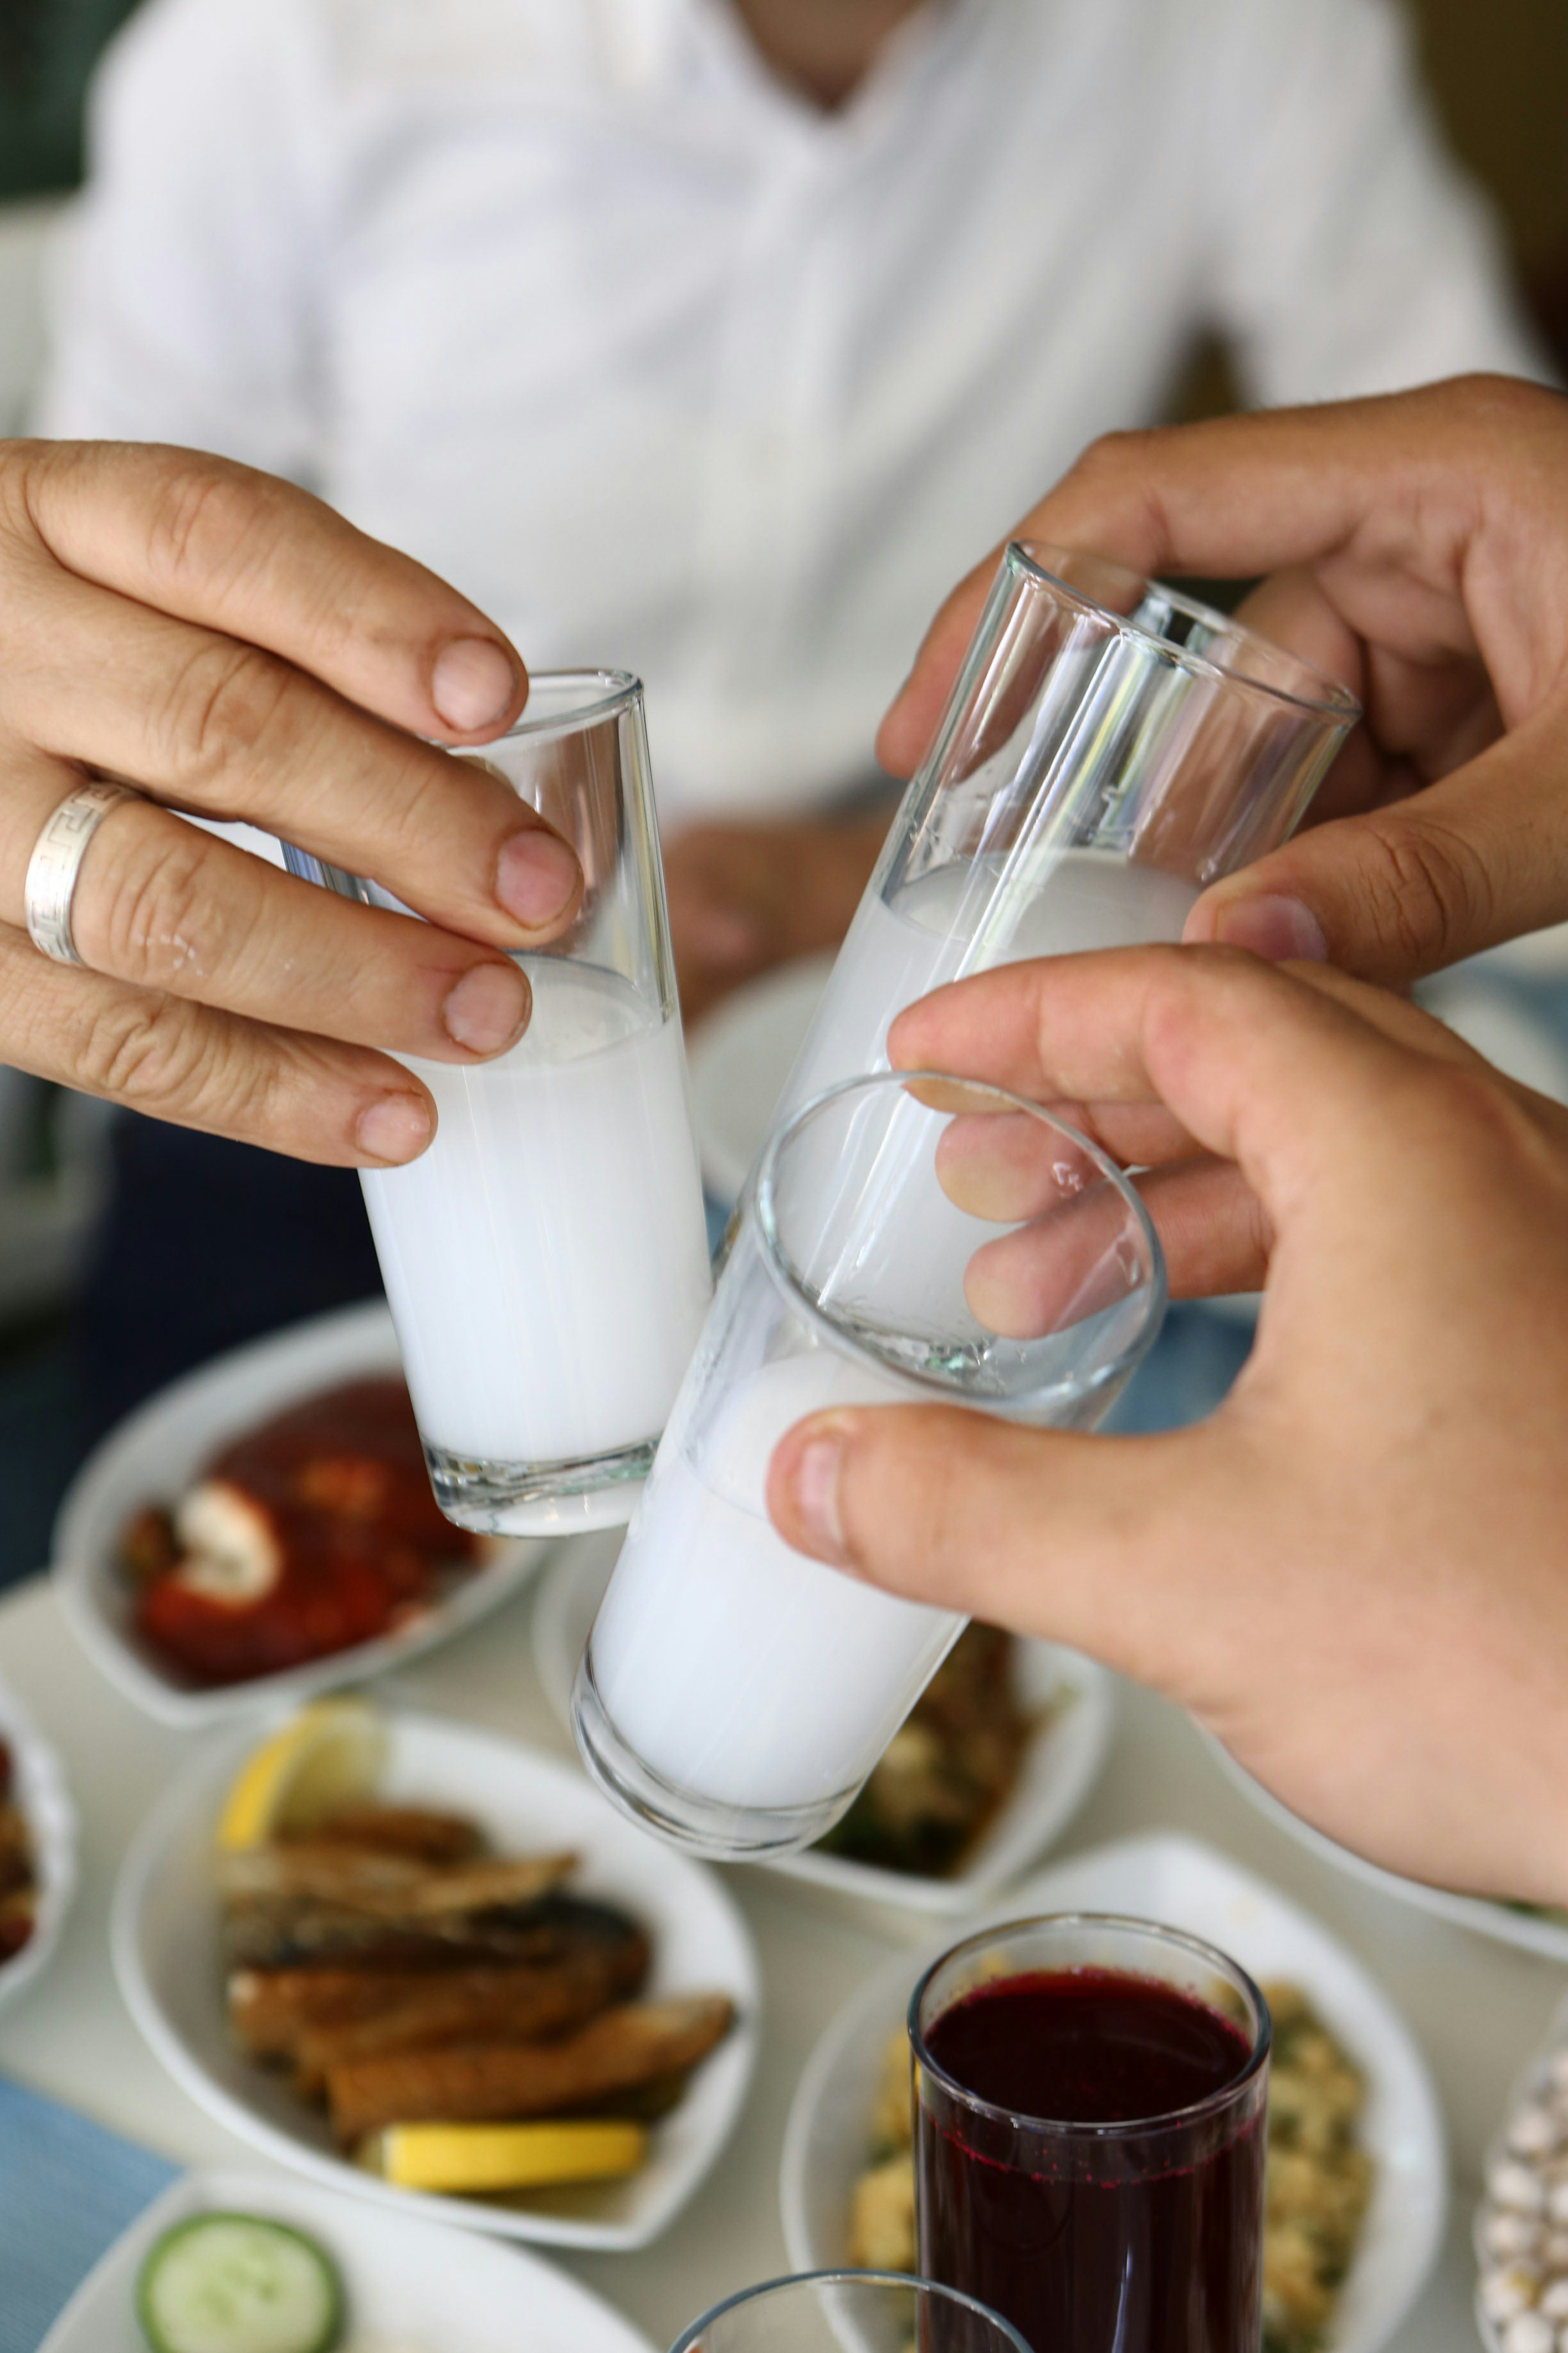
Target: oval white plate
(154,1455)
(1477,1912)
(45,1799)
(739,1058)
(1185,1885)
(1061,1766)
(410,2282)
(165,1939)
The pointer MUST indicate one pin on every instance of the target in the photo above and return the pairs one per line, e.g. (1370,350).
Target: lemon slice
(330,1755)
(486,2158)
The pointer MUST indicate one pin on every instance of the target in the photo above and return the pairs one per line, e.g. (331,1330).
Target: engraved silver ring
(56,863)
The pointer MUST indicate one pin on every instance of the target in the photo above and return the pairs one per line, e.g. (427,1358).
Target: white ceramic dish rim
(866,2017)
(44,1795)
(1075,1741)
(198,1783)
(601,2328)
(1477,1912)
(263,1375)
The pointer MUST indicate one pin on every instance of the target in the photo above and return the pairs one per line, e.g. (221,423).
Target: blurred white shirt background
(667,368)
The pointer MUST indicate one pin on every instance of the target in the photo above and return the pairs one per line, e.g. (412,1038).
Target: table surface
(1476,2007)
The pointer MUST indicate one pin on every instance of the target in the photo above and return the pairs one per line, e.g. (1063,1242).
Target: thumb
(1456,868)
(1050,1533)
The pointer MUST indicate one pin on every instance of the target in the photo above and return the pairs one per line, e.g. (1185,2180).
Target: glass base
(540,1499)
(684,1818)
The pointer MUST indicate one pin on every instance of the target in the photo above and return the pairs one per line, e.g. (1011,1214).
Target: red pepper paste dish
(314,1532)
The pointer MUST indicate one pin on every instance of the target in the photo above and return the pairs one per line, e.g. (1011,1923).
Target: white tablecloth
(1478,2007)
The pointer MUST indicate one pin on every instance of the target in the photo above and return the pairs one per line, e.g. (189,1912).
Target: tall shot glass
(1110,747)
(546,1259)
(734,1694)
(849,2312)
(1089,2104)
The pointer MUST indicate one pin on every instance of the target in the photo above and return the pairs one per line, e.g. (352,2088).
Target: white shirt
(668,369)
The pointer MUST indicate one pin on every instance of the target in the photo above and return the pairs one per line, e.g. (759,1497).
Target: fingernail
(488,1009)
(395,1129)
(536,877)
(816,1497)
(473,684)
(1274,928)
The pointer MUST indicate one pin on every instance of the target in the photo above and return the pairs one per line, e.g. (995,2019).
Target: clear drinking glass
(734,1694)
(849,2312)
(546,1259)
(1089,2099)
(1109,748)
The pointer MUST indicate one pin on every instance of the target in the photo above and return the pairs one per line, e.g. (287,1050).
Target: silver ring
(56,863)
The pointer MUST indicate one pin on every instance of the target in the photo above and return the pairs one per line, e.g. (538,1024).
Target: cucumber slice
(237,2283)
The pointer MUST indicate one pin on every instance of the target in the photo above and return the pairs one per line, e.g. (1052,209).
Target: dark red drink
(1091,2147)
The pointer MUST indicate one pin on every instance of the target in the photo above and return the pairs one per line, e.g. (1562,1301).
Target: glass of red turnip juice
(1089,2098)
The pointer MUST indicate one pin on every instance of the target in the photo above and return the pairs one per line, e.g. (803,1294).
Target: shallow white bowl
(1060,1767)
(165,1939)
(1488,1918)
(156,1453)
(44,1797)
(738,1056)
(409,2281)
(1183,1885)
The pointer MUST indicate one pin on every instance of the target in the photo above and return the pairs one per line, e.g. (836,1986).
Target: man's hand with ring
(228,646)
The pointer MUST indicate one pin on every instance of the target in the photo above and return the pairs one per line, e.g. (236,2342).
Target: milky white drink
(965,917)
(736,1667)
(546,1259)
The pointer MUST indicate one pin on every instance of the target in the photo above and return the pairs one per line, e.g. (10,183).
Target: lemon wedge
(488,2157)
(330,1755)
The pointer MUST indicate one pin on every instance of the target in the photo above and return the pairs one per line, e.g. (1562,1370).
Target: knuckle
(229,703)
(1428,890)
(145,1051)
(208,522)
(150,918)
(1114,454)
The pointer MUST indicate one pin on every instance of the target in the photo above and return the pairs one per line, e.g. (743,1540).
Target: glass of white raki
(1110,747)
(734,1694)
(546,1259)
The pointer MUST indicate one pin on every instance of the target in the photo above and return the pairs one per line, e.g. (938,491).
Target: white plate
(1062,1763)
(740,1057)
(1477,1912)
(410,2282)
(165,1939)
(41,1792)
(155,1453)
(1184,1886)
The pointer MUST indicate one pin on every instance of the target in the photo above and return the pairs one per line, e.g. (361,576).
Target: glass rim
(846,2275)
(1167,2119)
(606,694)
(1334,701)
(762,1195)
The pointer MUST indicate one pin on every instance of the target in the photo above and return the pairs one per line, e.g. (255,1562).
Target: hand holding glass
(1110,747)
(736,1695)
(546,1260)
